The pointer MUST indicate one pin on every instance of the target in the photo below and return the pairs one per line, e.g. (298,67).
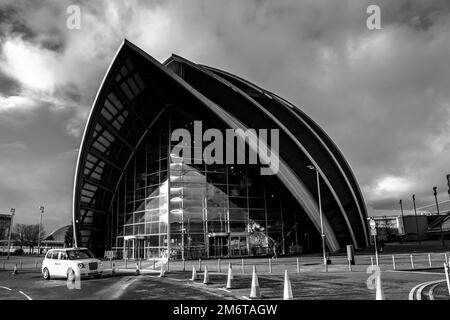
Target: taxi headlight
(80,265)
(100,264)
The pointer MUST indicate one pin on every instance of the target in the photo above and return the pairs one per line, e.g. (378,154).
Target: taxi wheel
(46,274)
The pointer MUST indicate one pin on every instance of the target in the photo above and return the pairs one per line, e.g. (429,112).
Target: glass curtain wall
(185,211)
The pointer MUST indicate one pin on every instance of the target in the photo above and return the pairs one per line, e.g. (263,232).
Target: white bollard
(393,262)
(446,266)
(412,261)
(219,269)
(380,293)
(194,274)
(270,265)
(162,271)
(298,266)
(229,277)
(371,262)
(429,259)
(206,276)
(138,270)
(255,293)
(242,266)
(287,291)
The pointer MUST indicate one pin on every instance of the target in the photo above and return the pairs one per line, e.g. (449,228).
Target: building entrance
(134,248)
(218,246)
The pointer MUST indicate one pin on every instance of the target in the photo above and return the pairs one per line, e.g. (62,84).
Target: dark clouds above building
(381,95)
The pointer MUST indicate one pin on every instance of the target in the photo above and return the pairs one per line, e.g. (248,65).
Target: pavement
(311,283)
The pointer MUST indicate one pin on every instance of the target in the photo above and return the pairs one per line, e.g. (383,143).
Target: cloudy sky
(382,95)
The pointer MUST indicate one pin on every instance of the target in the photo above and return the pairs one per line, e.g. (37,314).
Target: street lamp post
(415,214)
(437,208)
(403,218)
(41,208)
(311,167)
(13,211)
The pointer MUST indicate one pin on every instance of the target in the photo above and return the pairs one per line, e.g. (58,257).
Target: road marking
(26,296)
(411,293)
(430,292)
(246,298)
(419,288)
(5,288)
(418,272)
(223,289)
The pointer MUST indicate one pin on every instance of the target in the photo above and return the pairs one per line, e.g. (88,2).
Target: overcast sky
(382,95)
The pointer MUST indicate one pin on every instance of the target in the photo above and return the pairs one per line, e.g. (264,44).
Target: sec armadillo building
(131,198)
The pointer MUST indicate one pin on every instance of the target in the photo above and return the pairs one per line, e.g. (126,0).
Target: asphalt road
(177,285)
(311,283)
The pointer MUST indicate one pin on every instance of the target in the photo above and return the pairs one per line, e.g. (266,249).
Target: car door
(57,263)
(64,261)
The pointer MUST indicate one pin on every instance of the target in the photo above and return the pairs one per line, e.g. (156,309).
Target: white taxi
(67,262)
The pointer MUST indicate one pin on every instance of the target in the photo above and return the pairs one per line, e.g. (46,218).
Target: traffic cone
(15,269)
(206,276)
(287,295)
(380,294)
(194,274)
(138,271)
(162,272)
(255,292)
(230,277)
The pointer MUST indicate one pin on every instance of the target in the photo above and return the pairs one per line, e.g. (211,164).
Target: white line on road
(26,296)
(411,293)
(418,272)
(5,288)
(430,292)
(223,289)
(420,288)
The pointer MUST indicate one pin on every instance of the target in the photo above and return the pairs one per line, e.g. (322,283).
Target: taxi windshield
(79,254)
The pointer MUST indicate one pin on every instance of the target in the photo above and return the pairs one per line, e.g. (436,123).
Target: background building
(392,226)
(5,223)
(56,239)
(132,198)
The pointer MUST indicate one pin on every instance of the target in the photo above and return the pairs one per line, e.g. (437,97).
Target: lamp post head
(434,191)
(42,209)
(13,210)
(414,197)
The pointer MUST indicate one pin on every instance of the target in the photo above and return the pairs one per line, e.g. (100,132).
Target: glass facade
(192,209)
(132,198)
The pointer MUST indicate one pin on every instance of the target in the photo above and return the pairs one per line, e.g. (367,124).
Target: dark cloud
(381,95)
(8,85)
